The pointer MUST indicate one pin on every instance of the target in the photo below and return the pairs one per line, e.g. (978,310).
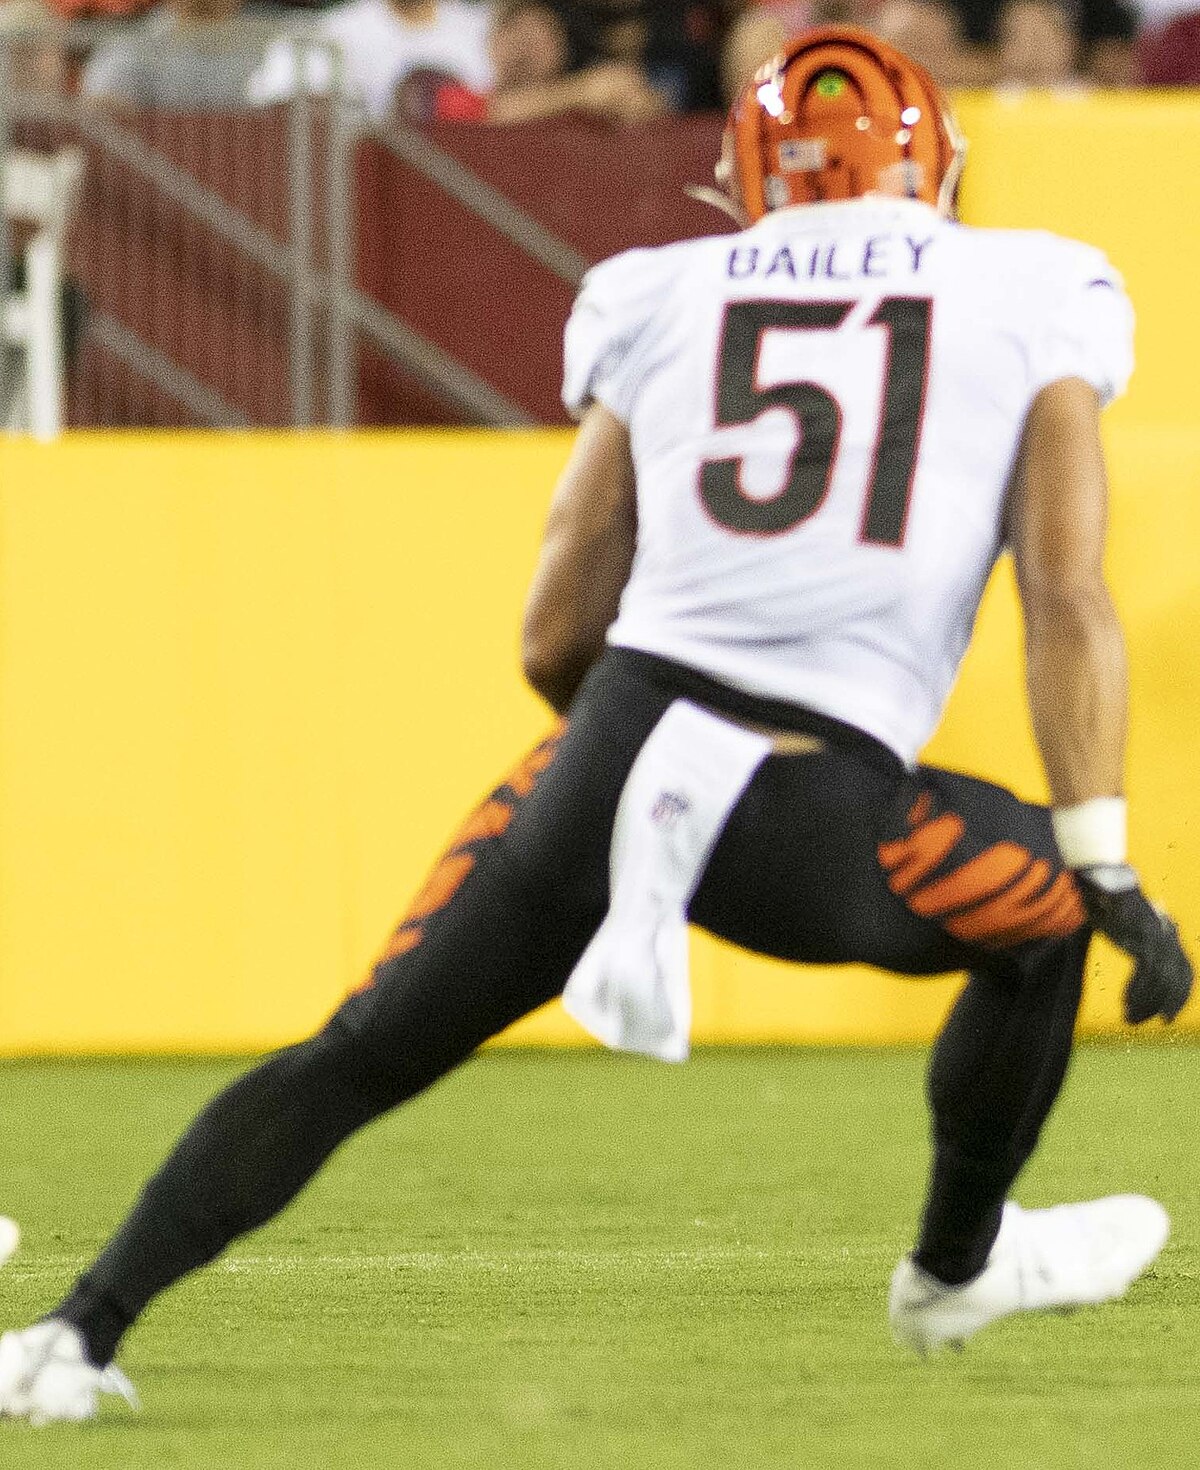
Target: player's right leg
(854,859)
(984,867)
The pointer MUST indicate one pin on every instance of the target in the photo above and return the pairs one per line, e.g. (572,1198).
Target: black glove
(1162,974)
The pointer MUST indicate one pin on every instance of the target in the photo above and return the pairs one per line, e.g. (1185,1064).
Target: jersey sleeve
(606,333)
(1088,329)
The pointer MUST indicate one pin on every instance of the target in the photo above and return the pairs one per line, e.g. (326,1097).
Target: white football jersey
(824,412)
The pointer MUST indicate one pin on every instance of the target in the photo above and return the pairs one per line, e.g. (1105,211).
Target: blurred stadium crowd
(224,253)
(518,60)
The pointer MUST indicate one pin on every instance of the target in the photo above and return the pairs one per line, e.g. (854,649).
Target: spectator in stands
(627,60)
(1032,42)
(384,43)
(96,9)
(36,62)
(963,42)
(1168,48)
(528,45)
(537,74)
(758,30)
(675,43)
(19,17)
(981,42)
(1105,31)
(186,56)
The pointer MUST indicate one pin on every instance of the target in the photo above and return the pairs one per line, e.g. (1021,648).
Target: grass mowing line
(500,1260)
(504,1260)
(41,1270)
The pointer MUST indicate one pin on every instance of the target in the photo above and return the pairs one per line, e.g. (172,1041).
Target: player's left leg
(494,933)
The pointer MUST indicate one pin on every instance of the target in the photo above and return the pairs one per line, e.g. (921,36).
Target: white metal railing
(38,192)
(300,257)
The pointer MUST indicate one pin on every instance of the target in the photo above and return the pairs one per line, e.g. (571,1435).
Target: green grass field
(579,1260)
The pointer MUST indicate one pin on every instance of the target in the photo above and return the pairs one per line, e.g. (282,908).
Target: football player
(803,447)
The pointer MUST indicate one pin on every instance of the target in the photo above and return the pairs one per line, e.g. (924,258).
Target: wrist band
(1092,832)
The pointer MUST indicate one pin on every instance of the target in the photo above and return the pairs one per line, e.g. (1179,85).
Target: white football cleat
(10,1239)
(1066,1256)
(45,1376)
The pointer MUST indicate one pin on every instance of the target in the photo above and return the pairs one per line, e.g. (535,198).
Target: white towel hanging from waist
(631,988)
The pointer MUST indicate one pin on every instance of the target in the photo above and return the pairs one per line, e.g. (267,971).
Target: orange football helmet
(838,114)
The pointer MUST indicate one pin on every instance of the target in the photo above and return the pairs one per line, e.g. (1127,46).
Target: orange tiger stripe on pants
(1001,897)
(916,856)
(488,821)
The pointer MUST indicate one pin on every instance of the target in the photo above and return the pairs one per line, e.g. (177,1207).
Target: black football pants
(837,855)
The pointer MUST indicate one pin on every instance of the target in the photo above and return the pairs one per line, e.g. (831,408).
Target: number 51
(818,417)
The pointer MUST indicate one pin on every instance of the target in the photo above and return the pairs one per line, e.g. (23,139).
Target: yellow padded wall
(1118,170)
(248,684)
